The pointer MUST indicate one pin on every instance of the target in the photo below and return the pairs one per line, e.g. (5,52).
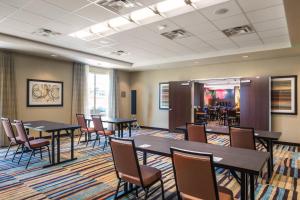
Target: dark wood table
(248,162)
(266,138)
(56,130)
(119,122)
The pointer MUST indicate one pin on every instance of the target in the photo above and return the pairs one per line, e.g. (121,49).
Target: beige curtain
(80,90)
(7,92)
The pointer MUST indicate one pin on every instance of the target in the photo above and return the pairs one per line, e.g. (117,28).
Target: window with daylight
(98,84)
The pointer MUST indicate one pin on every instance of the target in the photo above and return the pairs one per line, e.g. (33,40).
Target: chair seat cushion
(89,130)
(19,141)
(150,175)
(37,143)
(225,194)
(106,132)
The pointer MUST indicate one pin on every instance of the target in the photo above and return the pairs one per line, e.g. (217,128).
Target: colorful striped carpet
(92,175)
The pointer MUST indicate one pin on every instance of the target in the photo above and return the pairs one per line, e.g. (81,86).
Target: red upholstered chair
(195,176)
(84,130)
(14,140)
(242,137)
(128,169)
(100,131)
(33,145)
(196,133)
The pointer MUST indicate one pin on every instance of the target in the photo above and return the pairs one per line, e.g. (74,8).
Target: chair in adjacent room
(13,139)
(84,130)
(32,145)
(100,130)
(196,132)
(128,169)
(195,176)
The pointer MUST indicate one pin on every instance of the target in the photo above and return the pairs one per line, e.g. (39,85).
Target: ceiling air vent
(240,30)
(119,53)
(176,34)
(46,32)
(119,6)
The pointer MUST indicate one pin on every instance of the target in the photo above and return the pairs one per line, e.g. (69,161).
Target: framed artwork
(284,95)
(42,93)
(163,96)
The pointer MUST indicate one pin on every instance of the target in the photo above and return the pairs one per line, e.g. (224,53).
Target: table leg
(122,134)
(270,161)
(252,187)
(41,134)
(243,186)
(119,129)
(72,144)
(186,135)
(58,146)
(144,158)
(129,129)
(53,147)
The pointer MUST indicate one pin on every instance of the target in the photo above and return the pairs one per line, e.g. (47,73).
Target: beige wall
(123,78)
(146,83)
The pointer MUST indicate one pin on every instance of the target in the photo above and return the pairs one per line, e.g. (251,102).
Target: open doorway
(219,102)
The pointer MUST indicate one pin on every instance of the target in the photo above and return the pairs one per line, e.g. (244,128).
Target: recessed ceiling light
(257,77)
(221,11)
(104,42)
(245,56)
(118,22)
(142,14)
(162,27)
(53,55)
(169,5)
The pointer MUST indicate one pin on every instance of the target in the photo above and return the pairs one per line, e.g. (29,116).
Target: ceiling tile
(249,43)
(188,19)
(202,28)
(274,32)
(232,6)
(96,13)
(277,39)
(250,5)
(271,24)
(222,44)
(76,21)
(169,26)
(15,3)
(6,10)
(60,27)
(230,22)
(270,13)
(194,43)
(18,25)
(252,36)
(45,9)
(30,18)
(212,35)
(69,5)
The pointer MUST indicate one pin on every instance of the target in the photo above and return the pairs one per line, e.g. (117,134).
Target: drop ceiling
(144,45)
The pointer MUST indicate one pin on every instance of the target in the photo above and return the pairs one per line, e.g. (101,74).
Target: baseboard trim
(287,143)
(155,128)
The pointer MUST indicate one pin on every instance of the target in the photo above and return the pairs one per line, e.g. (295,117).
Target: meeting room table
(56,129)
(119,122)
(248,162)
(266,138)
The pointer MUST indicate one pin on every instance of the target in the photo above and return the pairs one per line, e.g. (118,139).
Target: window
(98,85)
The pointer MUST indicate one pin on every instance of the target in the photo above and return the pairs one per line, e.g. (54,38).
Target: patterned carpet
(92,175)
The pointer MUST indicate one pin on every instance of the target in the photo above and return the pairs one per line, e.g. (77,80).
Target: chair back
(194,175)
(125,160)
(97,121)
(196,133)
(8,129)
(81,121)
(22,132)
(242,137)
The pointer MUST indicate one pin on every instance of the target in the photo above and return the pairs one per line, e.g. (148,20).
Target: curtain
(113,110)
(7,92)
(79,90)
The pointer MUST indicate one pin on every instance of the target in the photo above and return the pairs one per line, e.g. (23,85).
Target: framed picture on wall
(284,95)
(43,93)
(163,96)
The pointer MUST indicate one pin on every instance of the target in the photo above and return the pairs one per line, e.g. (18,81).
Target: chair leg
(97,137)
(41,155)
(117,191)
(7,150)
(105,143)
(146,193)
(21,154)
(49,155)
(79,138)
(162,189)
(87,142)
(16,152)
(30,158)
